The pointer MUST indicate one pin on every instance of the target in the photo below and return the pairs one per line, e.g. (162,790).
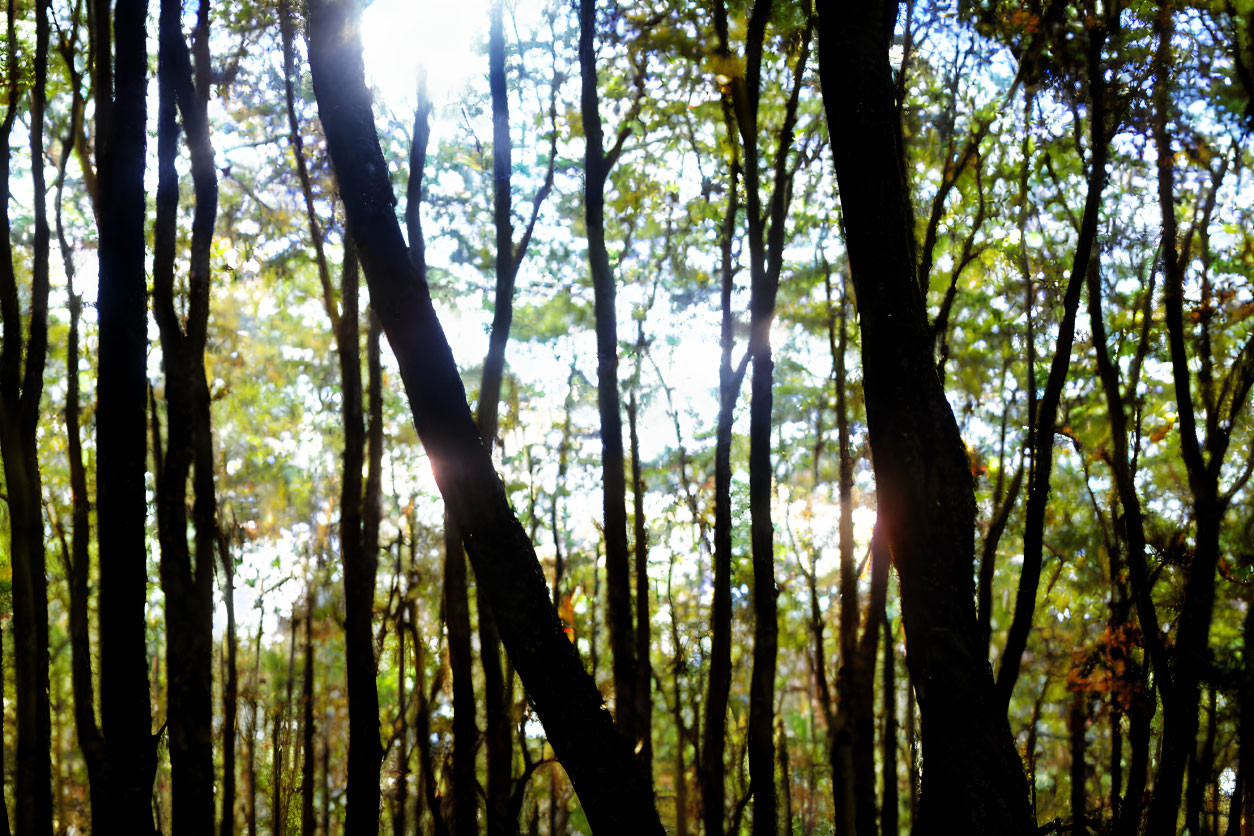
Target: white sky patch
(403,38)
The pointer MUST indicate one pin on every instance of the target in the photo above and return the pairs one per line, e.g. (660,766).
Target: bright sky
(405,37)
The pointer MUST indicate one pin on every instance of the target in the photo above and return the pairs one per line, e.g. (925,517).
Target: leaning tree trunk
(598,760)
(973,782)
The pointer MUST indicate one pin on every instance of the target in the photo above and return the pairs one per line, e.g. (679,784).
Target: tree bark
(187,583)
(1043,421)
(713,792)
(974,781)
(230,691)
(77,557)
(644,670)
(20,392)
(121,415)
(617,572)
(1077,723)
(465,734)
(308,824)
(888,806)
(599,761)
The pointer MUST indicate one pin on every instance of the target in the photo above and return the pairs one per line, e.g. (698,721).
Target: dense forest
(571,417)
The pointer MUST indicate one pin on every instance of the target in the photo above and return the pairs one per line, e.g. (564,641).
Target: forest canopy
(572,417)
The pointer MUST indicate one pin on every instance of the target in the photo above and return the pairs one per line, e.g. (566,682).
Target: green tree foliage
(1077,193)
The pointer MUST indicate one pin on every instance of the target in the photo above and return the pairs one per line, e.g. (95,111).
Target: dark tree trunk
(230,691)
(497,689)
(1043,421)
(599,761)
(4,806)
(644,673)
(365,751)
(399,810)
(677,709)
(785,777)
(20,391)
(713,792)
(308,822)
(278,821)
(250,800)
(465,734)
(1203,462)
(765,240)
(121,419)
(78,564)
(187,583)
(1201,771)
(974,781)
(1077,724)
(617,572)
(422,728)
(1243,805)
(888,806)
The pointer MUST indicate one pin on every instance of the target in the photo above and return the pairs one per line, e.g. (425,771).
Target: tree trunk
(230,692)
(1043,421)
(365,752)
(713,792)
(599,761)
(974,781)
(465,734)
(888,806)
(1245,726)
(617,572)
(1201,769)
(644,670)
(4,805)
(399,811)
(20,391)
(308,822)
(78,569)
(121,419)
(1077,724)
(187,584)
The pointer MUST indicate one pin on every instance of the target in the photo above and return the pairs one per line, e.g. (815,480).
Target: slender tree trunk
(78,570)
(888,806)
(1203,461)
(4,804)
(1201,770)
(278,822)
(713,769)
(617,572)
(399,811)
(1244,806)
(599,761)
(187,583)
(974,781)
(677,709)
(644,674)
(308,822)
(785,778)
(422,728)
(20,392)
(1043,421)
(465,734)
(230,693)
(250,800)
(1077,723)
